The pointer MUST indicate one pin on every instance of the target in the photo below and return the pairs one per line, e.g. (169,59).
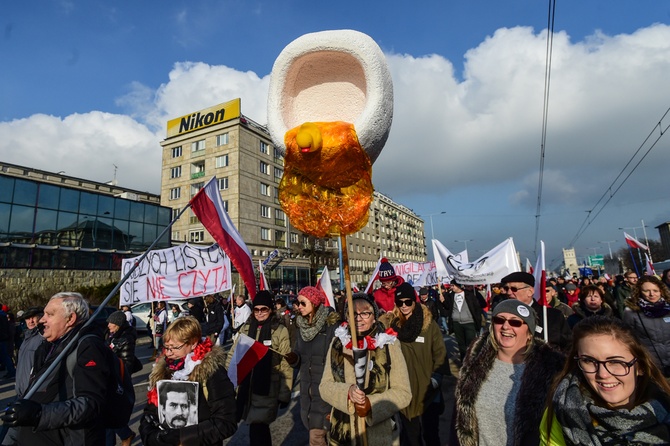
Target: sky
(89,85)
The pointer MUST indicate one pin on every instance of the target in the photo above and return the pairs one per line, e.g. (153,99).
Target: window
(175,213)
(265,168)
(225,205)
(176,152)
(265,234)
(175,172)
(197,170)
(280,218)
(222,161)
(279,172)
(265,211)
(197,146)
(279,158)
(196,236)
(195,188)
(175,235)
(175,193)
(265,189)
(294,237)
(264,147)
(280,238)
(222,139)
(223,183)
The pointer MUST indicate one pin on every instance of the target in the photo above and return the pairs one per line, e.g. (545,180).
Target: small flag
(633,243)
(246,355)
(326,286)
(208,206)
(262,281)
(373,277)
(529,267)
(650,266)
(540,278)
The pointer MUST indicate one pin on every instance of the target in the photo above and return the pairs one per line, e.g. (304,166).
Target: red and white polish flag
(540,274)
(208,206)
(246,355)
(634,243)
(262,281)
(324,285)
(373,277)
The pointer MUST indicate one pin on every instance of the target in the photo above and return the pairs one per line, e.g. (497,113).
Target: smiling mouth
(609,386)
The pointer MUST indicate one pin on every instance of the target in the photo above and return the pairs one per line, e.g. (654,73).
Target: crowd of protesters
(600,379)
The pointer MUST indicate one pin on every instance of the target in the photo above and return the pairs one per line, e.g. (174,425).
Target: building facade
(220,141)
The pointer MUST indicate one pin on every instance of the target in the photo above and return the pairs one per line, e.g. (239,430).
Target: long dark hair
(649,378)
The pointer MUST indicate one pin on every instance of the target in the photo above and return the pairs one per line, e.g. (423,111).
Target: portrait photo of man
(177,403)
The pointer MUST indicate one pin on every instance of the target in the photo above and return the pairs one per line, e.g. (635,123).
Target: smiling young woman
(609,392)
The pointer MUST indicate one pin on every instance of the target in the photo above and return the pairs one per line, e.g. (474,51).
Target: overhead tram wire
(545,112)
(611,189)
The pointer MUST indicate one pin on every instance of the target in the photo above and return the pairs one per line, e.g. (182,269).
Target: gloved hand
(292,358)
(362,410)
(283,404)
(169,437)
(23,413)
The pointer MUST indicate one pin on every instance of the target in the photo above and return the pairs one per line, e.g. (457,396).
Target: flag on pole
(634,243)
(246,355)
(262,281)
(326,286)
(373,277)
(208,206)
(529,266)
(540,275)
(650,266)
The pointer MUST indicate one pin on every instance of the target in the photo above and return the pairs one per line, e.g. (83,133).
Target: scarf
(655,310)
(410,330)
(584,422)
(309,331)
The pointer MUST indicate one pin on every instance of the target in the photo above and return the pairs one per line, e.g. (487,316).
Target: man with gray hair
(65,409)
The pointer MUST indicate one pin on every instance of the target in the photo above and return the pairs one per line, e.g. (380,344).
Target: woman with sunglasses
(316,327)
(187,356)
(504,381)
(268,386)
(424,352)
(610,392)
(369,409)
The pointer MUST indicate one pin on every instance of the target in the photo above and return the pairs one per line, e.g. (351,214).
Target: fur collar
(212,361)
(542,363)
(583,312)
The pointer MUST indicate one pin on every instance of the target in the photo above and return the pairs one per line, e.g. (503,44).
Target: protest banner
(179,272)
(417,273)
(489,268)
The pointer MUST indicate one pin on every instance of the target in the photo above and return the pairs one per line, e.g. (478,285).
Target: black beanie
(117,318)
(266,298)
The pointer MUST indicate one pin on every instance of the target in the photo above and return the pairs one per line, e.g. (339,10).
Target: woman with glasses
(610,392)
(648,313)
(504,381)
(187,356)
(268,386)
(591,303)
(424,352)
(366,409)
(316,325)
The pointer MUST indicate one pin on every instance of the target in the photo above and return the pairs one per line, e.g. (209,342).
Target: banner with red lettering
(417,273)
(181,272)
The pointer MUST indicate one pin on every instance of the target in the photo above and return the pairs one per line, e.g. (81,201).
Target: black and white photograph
(177,403)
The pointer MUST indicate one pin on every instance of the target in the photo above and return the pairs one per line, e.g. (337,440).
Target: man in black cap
(429,302)
(32,338)
(521,286)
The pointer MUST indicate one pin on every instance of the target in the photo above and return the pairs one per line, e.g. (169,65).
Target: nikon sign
(204,118)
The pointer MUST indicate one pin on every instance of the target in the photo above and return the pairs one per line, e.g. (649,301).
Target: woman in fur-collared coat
(189,357)
(503,384)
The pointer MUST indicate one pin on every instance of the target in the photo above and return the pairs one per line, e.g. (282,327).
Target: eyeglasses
(301,303)
(515,289)
(261,310)
(172,349)
(404,302)
(363,315)
(516,323)
(613,366)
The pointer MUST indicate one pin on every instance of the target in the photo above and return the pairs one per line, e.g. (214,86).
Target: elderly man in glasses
(521,286)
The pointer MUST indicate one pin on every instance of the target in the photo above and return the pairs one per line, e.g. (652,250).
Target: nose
(602,372)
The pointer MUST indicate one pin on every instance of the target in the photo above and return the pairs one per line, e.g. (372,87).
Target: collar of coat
(211,362)
(542,363)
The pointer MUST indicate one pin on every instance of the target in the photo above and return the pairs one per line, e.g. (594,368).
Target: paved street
(286,430)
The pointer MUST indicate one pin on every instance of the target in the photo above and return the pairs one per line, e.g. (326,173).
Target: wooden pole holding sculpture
(347,285)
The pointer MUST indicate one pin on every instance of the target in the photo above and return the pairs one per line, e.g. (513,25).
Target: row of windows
(198,168)
(265,169)
(175,192)
(222,140)
(35,258)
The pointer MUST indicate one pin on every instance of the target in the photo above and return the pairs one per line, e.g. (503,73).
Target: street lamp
(432,233)
(609,246)
(465,241)
(634,230)
(594,251)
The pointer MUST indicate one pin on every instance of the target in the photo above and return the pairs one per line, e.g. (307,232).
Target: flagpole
(347,283)
(31,391)
(341,263)
(633,259)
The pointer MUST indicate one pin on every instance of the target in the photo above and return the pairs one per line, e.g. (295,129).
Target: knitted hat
(520,309)
(117,318)
(313,294)
(521,277)
(405,291)
(571,287)
(264,297)
(386,271)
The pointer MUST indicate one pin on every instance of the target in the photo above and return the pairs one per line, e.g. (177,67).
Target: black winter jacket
(123,343)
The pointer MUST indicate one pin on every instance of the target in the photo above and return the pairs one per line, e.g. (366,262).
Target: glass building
(47,225)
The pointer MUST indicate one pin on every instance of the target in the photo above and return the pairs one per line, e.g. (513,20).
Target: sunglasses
(516,323)
(514,289)
(261,310)
(404,302)
(301,303)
